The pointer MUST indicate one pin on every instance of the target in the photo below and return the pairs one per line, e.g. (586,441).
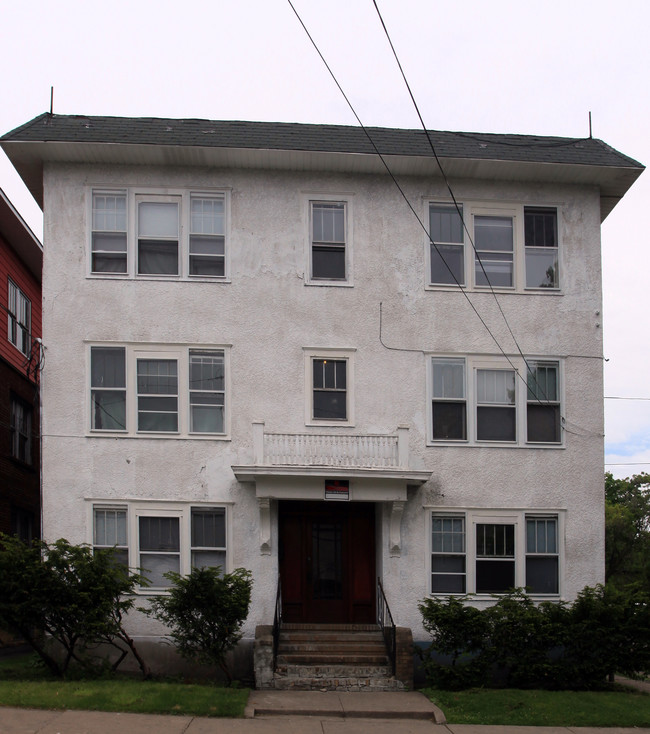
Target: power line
(622,397)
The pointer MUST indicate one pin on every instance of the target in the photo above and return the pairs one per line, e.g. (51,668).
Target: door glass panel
(327,570)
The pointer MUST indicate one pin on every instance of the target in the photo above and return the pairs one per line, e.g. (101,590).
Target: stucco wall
(269,316)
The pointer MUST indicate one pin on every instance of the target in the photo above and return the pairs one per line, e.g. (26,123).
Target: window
(490,400)
(328,240)
(448,252)
(448,554)
(207,236)
(449,408)
(328,387)
(158,389)
(109,252)
(19,317)
(481,551)
(508,246)
(495,405)
(540,231)
(148,234)
(109,532)
(160,537)
(543,411)
(208,537)
(495,558)
(21,430)
(108,388)
(494,257)
(542,560)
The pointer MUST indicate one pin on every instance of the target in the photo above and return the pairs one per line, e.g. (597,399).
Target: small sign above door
(337,489)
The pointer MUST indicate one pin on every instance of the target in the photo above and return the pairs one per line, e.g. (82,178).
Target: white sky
(504,66)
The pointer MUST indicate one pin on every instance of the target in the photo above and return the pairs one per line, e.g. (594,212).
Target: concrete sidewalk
(281,712)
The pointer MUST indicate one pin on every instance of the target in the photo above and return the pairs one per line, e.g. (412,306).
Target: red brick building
(21,357)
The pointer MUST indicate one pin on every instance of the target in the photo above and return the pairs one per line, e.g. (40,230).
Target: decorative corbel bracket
(265,525)
(396,512)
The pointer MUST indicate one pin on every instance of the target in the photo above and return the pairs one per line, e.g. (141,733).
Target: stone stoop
(328,657)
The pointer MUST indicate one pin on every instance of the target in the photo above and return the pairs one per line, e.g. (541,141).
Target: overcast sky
(499,66)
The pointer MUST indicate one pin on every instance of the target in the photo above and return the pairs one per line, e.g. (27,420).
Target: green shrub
(205,612)
(67,593)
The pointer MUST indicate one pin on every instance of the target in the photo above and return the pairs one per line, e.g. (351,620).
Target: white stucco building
(256,357)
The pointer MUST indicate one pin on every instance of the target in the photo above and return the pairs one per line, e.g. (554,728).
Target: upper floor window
(329,387)
(329,240)
(540,231)
(163,390)
(490,400)
(19,318)
(178,234)
(514,247)
(21,430)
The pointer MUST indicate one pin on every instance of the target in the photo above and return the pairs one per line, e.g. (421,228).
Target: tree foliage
(68,594)
(519,644)
(627,527)
(205,612)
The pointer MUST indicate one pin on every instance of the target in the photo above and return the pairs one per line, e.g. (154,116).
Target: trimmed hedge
(520,644)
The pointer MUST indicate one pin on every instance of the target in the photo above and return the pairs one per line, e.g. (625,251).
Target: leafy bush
(205,612)
(552,645)
(76,597)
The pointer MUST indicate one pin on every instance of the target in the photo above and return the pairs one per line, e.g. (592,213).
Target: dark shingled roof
(324,138)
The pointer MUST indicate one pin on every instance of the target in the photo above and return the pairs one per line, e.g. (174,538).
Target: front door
(327,561)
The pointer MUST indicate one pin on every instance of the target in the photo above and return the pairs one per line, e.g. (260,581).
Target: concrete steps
(333,658)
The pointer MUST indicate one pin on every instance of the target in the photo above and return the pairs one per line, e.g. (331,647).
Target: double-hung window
(494,255)
(148,233)
(447,248)
(542,555)
(158,538)
(449,406)
(495,558)
(543,405)
(329,387)
(489,400)
(481,551)
(21,430)
(496,415)
(158,389)
(19,318)
(328,240)
(541,244)
(108,237)
(448,572)
(501,245)
(110,532)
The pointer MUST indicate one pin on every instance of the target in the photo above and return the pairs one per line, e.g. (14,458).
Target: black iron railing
(387,625)
(277,621)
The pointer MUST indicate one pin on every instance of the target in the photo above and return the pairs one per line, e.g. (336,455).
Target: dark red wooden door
(327,561)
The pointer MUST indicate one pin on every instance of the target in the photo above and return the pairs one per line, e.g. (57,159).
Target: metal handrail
(277,621)
(385,621)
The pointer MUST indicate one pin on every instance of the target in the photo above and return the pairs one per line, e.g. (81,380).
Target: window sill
(500,291)
(494,445)
(330,283)
(165,278)
(161,436)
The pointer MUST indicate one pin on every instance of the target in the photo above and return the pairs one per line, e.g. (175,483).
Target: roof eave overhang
(251,473)
(29,158)
(20,237)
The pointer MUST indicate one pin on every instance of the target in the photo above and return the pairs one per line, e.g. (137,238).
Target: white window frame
(181,511)
(472,364)
(139,194)
(19,318)
(496,516)
(347,355)
(515,210)
(181,354)
(308,200)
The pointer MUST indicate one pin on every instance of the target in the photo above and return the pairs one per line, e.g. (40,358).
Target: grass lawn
(24,683)
(543,708)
